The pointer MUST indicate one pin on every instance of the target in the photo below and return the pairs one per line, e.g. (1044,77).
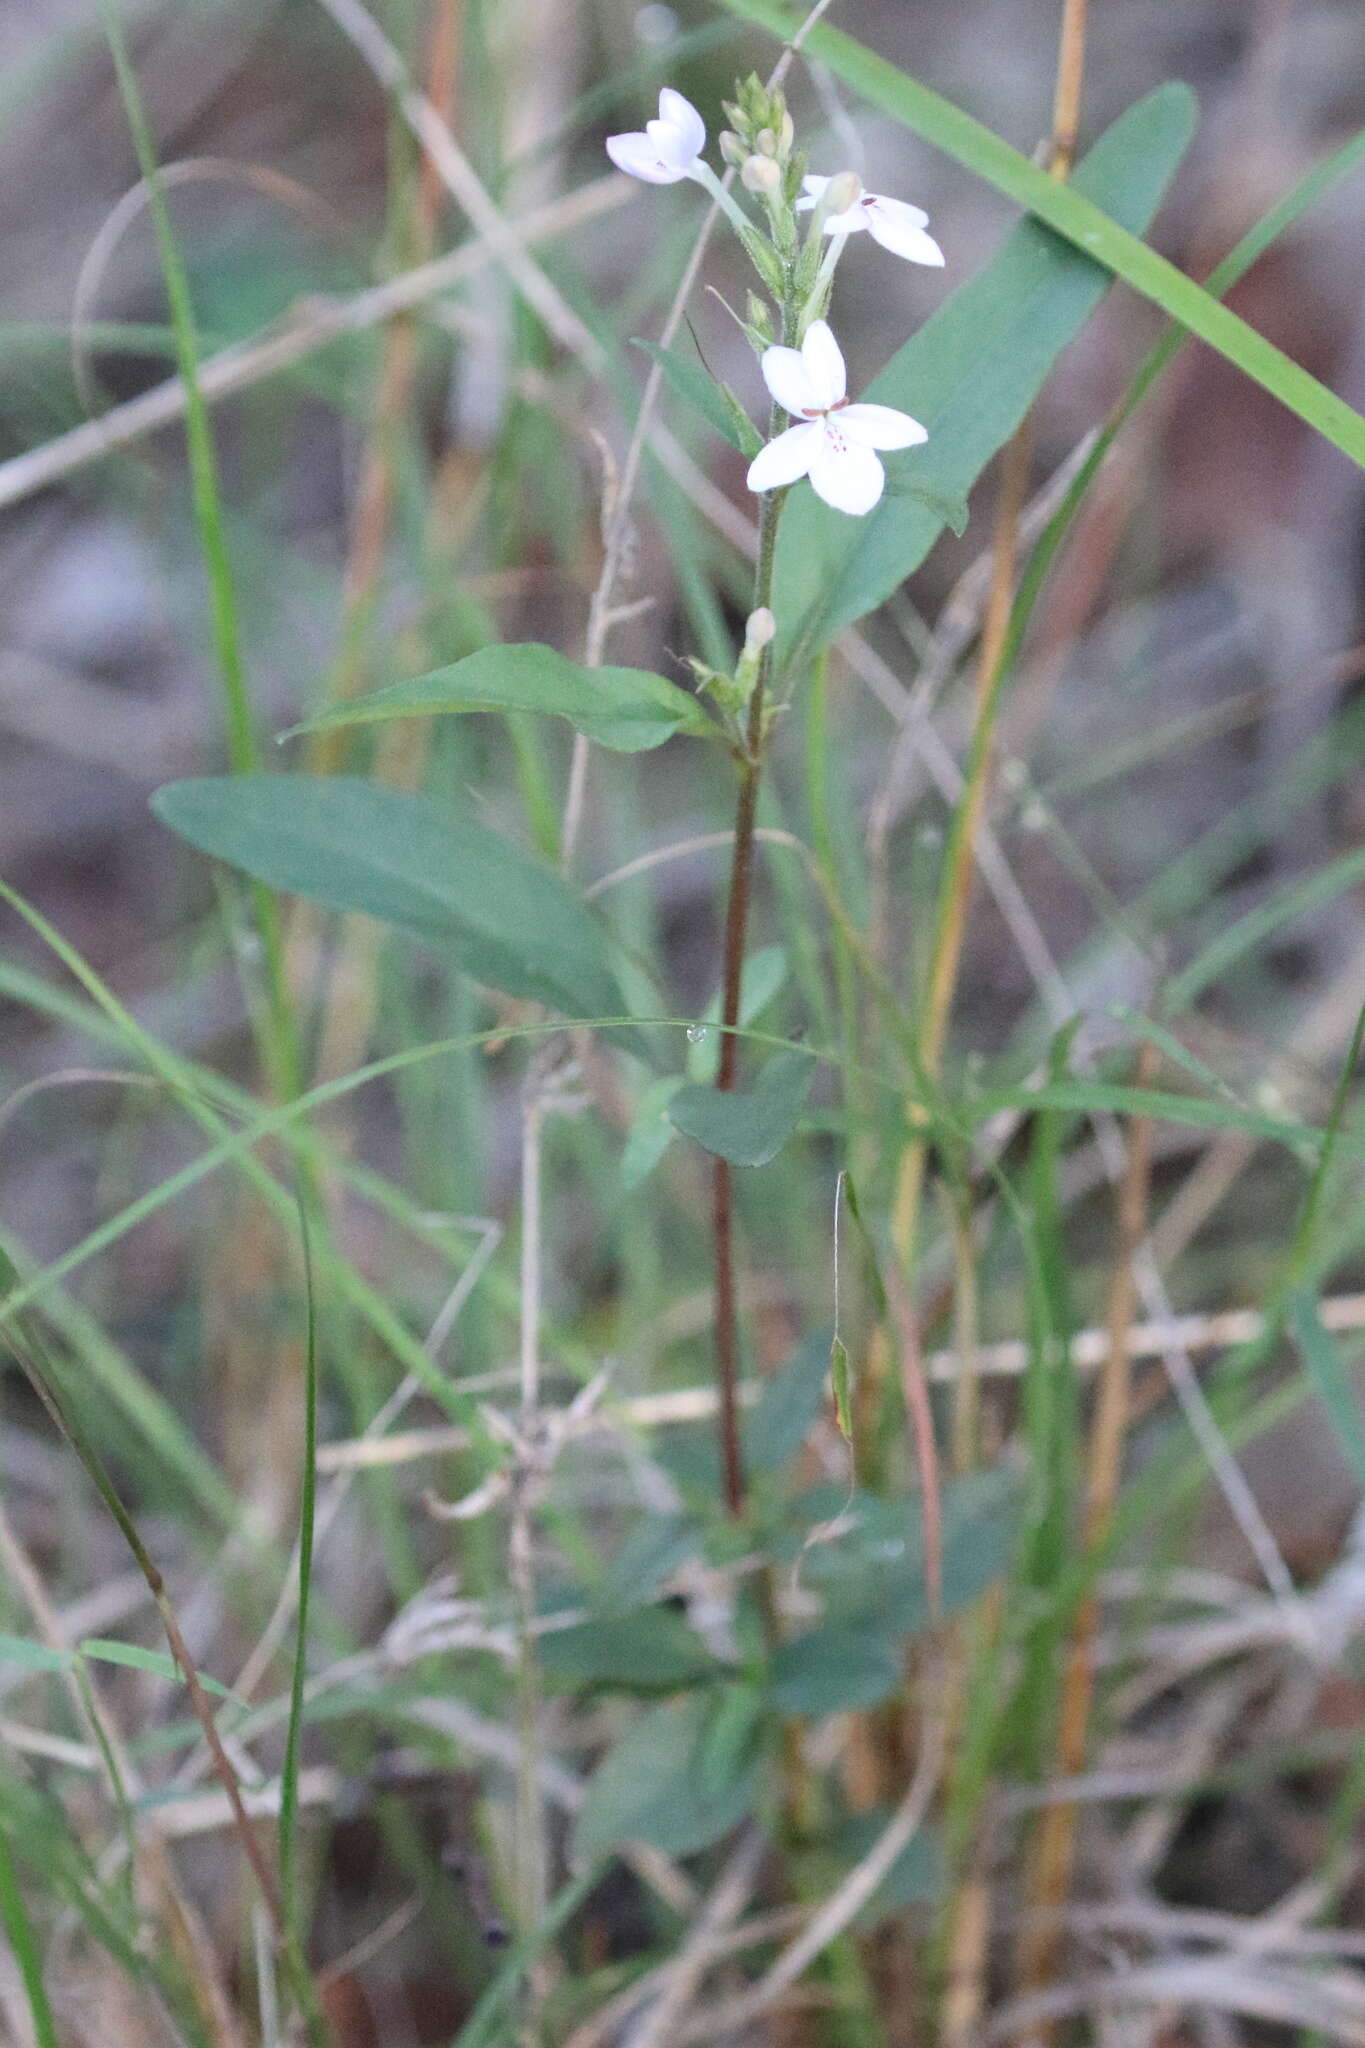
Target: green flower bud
(759,323)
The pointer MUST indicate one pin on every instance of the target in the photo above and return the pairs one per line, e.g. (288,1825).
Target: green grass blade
(308,1484)
(1235,942)
(490,2023)
(24,1944)
(280,1047)
(1322,1360)
(242,745)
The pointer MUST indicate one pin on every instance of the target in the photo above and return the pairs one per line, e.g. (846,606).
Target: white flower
(668,148)
(897,226)
(833,441)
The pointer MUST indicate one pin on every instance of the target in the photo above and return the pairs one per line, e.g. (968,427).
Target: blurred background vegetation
(410,469)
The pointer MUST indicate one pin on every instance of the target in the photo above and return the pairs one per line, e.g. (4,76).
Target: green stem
(290,1952)
(22,1940)
(280,1050)
(289,1773)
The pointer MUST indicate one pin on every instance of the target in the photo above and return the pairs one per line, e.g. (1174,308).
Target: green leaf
(874,1573)
(106,1651)
(918,1874)
(787,1405)
(951,512)
(970,373)
(32,1656)
(675,1780)
(509,921)
(1235,941)
(650,1133)
(697,388)
(648,1648)
(728,1739)
(626,709)
(1087,1096)
(747,1129)
(1323,1361)
(654,1548)
(762,976)
(1074,213)
(835,1670)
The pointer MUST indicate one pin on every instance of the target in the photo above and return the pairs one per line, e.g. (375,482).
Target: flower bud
(844,191)
(786,134)
(760,174)
(759,323)
(759,629)
(731,148)
(765,142)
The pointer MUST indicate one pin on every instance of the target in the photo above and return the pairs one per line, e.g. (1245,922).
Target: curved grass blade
(308,1489)
(22,1940)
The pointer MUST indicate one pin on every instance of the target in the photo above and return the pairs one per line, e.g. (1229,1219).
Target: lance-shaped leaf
(507,919)
(626,709)
(835,1669)
(646,1649)
(748,1129)
(970,373)
(716,403)
(681,1777)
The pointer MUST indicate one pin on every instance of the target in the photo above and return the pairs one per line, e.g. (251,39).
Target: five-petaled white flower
(668,148)
(897,226)
(833,442)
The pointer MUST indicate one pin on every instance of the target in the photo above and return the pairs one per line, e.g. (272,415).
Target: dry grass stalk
(1055,1849)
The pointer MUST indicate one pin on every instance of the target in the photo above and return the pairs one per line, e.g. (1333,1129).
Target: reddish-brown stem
(732,976)
(722,1194)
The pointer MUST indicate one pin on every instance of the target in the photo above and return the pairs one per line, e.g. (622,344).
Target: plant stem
(14,1918)
(736,924)
(279,1038)
(290,1951)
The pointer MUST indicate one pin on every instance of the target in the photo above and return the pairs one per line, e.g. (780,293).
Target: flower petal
(851,221)
(787,377)
(900,228)
(639,158)
(846,475)
(785,458)
(814,189)
(824,363)
(881,426)
(681,115)
(672,147)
